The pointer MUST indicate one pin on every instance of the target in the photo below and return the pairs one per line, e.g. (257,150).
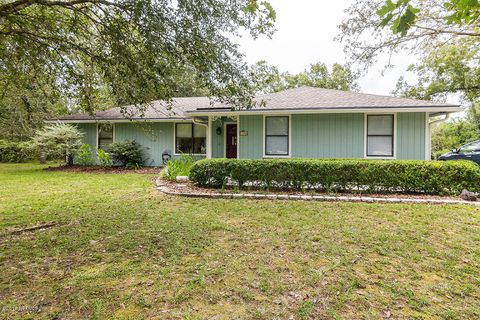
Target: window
(380,135)
(105,135)
(190,138)
(276,136)
(471,147)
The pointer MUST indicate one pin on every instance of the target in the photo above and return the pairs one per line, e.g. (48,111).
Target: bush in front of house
(58,141)
(85,155)
(127,153)
(178,167)
(353,175)
(104,158)
(14,151)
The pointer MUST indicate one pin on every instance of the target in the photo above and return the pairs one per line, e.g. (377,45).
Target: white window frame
(96,131)
(365,135)
(175,139)
(289,155)
(225,137)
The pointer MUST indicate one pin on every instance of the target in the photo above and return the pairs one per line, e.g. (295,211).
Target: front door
(231,140)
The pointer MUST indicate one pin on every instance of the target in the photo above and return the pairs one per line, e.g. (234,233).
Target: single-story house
(296,123)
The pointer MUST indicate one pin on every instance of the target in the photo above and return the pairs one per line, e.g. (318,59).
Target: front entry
(231,140)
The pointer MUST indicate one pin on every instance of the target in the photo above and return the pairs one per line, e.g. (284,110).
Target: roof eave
(118,120)
(447,108)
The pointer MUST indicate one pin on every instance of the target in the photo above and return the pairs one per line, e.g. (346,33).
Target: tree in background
(268,79)
(128,52)
(449,135)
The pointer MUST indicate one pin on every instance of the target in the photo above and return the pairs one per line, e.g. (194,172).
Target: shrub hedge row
(12,151)
(354,175)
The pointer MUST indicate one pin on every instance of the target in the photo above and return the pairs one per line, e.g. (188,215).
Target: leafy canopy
(269,79)
(130,51)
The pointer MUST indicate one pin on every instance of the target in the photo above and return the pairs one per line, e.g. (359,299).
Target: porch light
(219,130)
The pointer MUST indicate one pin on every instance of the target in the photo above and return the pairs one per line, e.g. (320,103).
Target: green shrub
(85,156)
(104,158)
(11,151)
(180,167)
(58,141)
(354,175)
(127,153)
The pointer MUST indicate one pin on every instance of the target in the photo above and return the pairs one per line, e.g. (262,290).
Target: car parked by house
(469,151)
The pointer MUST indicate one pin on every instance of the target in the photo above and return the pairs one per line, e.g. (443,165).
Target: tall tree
(269,79)
(131,49)
(376,26)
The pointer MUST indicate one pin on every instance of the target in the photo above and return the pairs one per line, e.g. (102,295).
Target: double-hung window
(190,138)
(277,136)
(380,131)
(104,135)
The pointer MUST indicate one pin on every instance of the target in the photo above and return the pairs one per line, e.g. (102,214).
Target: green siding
(90,133)
(252,144)
(411,136)
(218,140)
(156,137)
(328,135)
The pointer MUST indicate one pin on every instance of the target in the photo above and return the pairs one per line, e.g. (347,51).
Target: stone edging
(221,195)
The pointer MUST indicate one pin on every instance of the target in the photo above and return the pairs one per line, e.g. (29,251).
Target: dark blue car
(470,151)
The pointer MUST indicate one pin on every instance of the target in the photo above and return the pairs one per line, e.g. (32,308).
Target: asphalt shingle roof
(303,98)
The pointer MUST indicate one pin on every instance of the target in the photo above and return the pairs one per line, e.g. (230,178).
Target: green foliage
(355,175)
(85,156)
(268,79)
(11,151)
(449,135)
(133,48)
(58,141)
(180,167)
(127,153)
(104,158)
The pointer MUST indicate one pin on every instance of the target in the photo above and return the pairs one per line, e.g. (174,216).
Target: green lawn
(125,251)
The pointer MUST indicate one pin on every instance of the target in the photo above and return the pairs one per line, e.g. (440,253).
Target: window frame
(97,136)
(289,136)
(393,135)
(193,137)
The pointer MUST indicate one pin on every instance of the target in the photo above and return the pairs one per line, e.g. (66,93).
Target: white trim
(225,137)
(395,135)
(238,137)
(209,138)
(428,138)
(314,111)
(174,140)
(289,155)
(96,132)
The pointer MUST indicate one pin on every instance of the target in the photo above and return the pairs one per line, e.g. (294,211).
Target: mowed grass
(124,251)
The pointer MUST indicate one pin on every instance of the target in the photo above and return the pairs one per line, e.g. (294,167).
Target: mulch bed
(188,187)
(98,169)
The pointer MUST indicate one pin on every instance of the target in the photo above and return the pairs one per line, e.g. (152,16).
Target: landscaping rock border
(166,189)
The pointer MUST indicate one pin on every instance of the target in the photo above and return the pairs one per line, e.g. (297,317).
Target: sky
(305,35)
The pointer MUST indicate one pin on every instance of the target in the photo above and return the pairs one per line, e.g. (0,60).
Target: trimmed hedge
(13,151)
(354,175)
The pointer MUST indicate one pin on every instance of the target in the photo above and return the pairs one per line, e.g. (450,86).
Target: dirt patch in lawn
(98,169)
(188,187)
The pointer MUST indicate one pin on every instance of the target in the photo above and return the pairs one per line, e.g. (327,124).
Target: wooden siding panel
(411,136)
(251,146)
(327,136)
(156,137)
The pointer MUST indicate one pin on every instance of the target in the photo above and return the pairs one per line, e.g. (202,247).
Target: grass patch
(124,251)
